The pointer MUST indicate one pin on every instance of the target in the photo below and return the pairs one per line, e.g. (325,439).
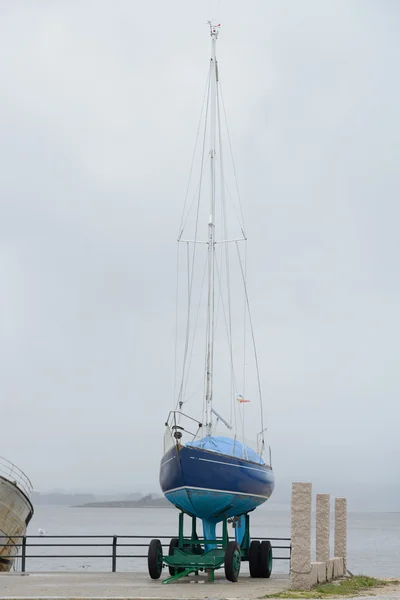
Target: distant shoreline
(72,500)
(145,502)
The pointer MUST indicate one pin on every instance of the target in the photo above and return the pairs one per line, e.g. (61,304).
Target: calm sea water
(373,538)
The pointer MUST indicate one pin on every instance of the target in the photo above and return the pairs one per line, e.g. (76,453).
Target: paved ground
(74,586)
(138,586)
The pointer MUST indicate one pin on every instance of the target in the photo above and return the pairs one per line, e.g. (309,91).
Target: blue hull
(210,486)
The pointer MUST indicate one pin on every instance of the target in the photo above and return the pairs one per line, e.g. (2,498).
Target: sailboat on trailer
(204,472)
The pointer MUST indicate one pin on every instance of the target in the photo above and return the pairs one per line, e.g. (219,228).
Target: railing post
(23,554)
(114,553)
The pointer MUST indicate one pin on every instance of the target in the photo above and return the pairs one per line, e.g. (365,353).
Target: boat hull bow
(16,511)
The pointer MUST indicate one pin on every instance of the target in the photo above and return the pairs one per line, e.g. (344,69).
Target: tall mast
(211,231)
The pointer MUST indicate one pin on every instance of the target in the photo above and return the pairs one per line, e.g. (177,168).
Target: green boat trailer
(189,555)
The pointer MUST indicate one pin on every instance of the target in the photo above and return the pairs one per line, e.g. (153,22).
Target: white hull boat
(16,511)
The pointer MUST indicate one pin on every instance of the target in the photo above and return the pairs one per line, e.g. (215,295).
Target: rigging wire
(205,95)
(233,160)
(230,347)
(204,380)
(194,332)
(254,342)
(225,233)
(245,322)
(195,197)
(241,225)
(176,320)
(244,339)
(194,253)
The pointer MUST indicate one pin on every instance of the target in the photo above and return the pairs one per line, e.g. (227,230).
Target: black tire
(173,544)
(265,559)
(232,561)
(155,559)
(254,558)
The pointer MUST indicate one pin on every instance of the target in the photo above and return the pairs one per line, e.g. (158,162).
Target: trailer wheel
(254,558)
(155,559)
(232,561)
(172,545)
(265,559)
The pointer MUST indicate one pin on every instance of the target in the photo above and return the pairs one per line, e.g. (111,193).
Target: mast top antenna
(214,29)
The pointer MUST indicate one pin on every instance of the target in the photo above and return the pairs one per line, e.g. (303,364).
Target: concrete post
(322,528)
(300,564)
(341,530)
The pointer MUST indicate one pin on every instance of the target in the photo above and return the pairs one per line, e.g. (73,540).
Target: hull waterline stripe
(167,461)
(221,462)
(192,487)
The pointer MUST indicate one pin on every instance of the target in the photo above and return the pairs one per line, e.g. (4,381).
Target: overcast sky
(98,114)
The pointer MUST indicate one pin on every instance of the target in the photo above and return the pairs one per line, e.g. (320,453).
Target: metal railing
(11,472)
(113,543)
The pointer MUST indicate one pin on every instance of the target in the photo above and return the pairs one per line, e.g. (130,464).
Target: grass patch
(351,586)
